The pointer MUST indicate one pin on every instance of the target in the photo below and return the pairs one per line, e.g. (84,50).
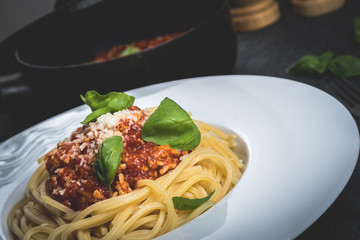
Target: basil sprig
(108,159)
(310,64)
(345,66)
(342,66)
(305,66)
(190,204)
(324,60)
(171,125)
(109,103)
(357,28)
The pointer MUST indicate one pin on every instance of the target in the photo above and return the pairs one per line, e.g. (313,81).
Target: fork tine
(338,96)
(352,89)
(345,91)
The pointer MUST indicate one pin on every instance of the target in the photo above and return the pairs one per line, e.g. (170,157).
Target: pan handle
(10,78)
(13,90)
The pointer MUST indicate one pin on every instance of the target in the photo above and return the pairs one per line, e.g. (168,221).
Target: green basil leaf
(95,100)
(101,104)
(129,50)
(324,61)
(357,28)
(345,66)
(108,159)
(171,125)
(190,204)
(306,66)
(120,103)
(82,98)
(95,114)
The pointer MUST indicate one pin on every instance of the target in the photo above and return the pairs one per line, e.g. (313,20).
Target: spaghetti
(145,212)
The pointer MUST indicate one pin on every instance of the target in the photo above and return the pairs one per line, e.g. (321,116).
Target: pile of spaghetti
(127,173)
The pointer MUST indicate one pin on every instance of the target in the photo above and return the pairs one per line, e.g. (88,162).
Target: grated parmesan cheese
(107,120)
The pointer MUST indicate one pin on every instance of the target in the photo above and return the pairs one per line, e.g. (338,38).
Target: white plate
(303,146)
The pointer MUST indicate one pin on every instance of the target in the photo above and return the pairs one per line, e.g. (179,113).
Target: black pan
(55,52)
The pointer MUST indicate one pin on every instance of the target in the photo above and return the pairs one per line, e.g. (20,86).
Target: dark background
(264,52)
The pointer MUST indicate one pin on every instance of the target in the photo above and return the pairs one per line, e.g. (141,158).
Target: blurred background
(15,14)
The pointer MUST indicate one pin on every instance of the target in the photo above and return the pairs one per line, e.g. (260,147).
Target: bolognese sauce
(116,51)
(72,179)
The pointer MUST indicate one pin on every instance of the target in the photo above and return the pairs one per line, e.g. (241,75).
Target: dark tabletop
(265,52)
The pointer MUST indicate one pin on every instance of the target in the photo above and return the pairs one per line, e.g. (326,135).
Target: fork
(347,93)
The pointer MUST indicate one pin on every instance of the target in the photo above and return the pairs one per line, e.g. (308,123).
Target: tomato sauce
(116,51)
(73,181)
